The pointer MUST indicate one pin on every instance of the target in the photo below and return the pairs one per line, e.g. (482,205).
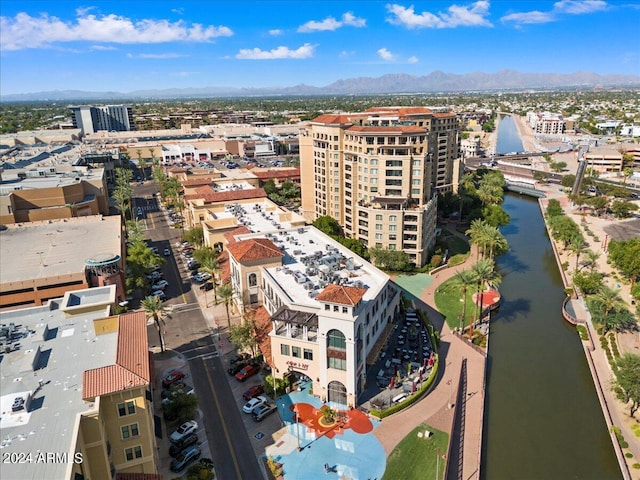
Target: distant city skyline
(126,46)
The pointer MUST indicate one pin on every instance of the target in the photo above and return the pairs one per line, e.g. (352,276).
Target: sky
(125,46)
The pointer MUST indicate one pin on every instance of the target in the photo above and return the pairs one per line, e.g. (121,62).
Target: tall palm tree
(156,309)
(210,265)
(478,234)
(494,241)
(577,246)
(484,269)
(464,279)
(225,294)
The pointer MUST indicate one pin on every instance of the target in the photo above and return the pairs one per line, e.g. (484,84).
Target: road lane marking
(222,421)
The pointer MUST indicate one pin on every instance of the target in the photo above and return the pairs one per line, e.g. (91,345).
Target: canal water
(542,416)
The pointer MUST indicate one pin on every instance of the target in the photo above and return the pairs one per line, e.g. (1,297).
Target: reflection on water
(542,416)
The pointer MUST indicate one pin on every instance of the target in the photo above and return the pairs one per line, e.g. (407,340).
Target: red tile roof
(237,231)
(209,196)
(131,368)
(334,119)
(198,181)
(289,172)
(387,129)
(177,170)
(262,325)
(341,294)
(254,249)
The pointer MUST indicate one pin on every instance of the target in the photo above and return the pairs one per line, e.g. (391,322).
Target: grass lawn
(455,244)
(415,458)
(447,299)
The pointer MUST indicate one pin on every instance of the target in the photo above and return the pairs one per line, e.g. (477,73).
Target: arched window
(336,350)
(253,280)
(337,393)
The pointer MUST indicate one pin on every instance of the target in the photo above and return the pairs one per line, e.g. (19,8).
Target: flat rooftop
(50,352)
(57,247)
(261,215)
(10,179)
(312,260)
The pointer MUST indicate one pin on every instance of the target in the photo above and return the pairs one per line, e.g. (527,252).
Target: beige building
(52,192)
(378,174)
(91,418)
(604,159)
(44,260)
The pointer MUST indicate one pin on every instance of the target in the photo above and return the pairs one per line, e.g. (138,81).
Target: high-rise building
(91,119)
(378,174)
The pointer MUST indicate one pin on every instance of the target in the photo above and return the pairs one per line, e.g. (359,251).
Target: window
(336,340)
(392,228)
(416,173)
(253,280)
(393,218)
(126,408)
(327,307)
(129,431)
(284,349)
(345,310)
(378,236)
(308,354)
(378,226)
(374,162)
(295,351)
(336,308)
(379,217)
(253,298)
(133,452)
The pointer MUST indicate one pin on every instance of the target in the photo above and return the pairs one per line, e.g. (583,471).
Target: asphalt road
(189,334)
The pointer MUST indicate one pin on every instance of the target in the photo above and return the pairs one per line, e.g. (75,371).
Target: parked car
(173,377)
(154,276)
(183,430)
(193,265)
(240,357)
(247,372)
(176,448)
(160,285)
(235,368)
(167,252)
(253,392)
(253,403)
(185,458)
(160,294)
(206,286)
(260,412)
(170,395)
(201,277)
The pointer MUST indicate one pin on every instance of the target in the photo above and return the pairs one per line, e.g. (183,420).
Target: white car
(184,430)
(167,252)
(202,277)
(253,403)
(161,285)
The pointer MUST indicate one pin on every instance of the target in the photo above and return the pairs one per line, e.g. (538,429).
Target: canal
(542,416)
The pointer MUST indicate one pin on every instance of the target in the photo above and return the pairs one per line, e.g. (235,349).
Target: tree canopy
(625,256)
(328,225)
(628,379)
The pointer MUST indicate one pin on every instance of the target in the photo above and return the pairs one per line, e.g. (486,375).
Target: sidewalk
(434,408)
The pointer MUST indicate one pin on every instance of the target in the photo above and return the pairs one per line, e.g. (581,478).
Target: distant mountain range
(392,83)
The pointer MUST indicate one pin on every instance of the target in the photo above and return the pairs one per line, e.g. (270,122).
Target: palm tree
(494,241)
(577,246)
(609,299)
(592,260)
(464,279)
(210,265)
(484,269)
(225,292)
(122,202)
(155,308)
(478,234)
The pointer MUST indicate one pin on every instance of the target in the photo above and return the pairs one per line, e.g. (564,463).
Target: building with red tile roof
(341,295)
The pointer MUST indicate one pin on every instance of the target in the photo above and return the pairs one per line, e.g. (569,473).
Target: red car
(173,377)
(247,372)
(253,392)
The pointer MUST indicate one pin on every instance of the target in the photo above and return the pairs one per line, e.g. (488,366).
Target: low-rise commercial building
(45,259)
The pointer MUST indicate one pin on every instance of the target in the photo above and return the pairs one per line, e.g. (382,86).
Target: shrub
(565,266)
(458,259)
(628,455)
(636,466)
(582,331)
(436,260)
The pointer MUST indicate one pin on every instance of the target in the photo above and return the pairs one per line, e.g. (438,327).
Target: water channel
(542,416)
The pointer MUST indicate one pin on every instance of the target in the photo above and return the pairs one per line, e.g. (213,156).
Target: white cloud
(275,32)
(161,56)
(24,31)
(346,53)
(385,54)
(331,24)
(181,74)
(529,17)
(178,11)
(102,47)
(578,7)
(473,15)
(413,59)
(305,51)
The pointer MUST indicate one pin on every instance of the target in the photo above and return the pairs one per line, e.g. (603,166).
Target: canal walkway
(437,408)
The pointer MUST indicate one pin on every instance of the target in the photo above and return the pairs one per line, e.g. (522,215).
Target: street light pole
(297,428)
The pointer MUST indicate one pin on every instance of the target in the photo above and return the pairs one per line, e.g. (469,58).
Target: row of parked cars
(242,366)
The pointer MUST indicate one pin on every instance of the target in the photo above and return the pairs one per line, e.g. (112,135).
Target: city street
(188,333)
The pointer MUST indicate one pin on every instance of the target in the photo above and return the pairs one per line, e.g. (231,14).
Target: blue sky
(125,46)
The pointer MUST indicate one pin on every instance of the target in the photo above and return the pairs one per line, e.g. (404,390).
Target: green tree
(568,180)
(211,266)
(625,256)
(154,308)
(588,282)
(195,235)
(270,186)
(623,209)
(609,299)
(577,246)
(484,270)
(592,260)
(464,279)
(391,260)
(328,225)
(495,216)
(628,379)
(182,408)
(558,166)
(243,336)
(554,208)
(225,296)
